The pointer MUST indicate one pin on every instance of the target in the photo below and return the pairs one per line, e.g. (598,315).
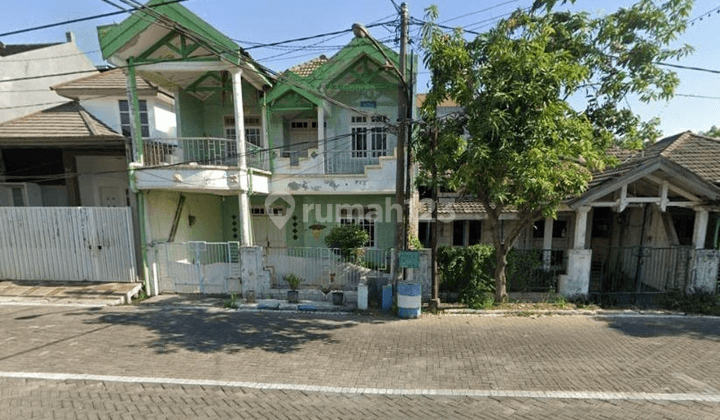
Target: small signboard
(368,104)
(409,259)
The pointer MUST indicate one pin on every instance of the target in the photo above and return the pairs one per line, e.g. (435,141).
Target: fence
(351,161)
(67,244)
(326,268)
(198,267)
(535,270)
(640,270)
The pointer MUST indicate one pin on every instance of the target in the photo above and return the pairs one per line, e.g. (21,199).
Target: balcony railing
(351,161)
(202,151)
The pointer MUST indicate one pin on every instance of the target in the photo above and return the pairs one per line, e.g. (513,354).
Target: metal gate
(199,267)
(67,244)
(638,275)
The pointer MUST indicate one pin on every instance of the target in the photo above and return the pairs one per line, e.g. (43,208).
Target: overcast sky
(264,21)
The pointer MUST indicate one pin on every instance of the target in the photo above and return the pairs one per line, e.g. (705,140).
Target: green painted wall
(205,208)
(205,118)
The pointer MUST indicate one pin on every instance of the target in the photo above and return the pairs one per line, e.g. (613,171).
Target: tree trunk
(501,252)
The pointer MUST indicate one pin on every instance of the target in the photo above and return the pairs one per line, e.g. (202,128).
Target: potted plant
(293,281)
(337,297)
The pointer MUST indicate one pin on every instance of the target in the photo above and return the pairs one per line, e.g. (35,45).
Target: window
(125,126)
(559,229)
(467,232)
(376,144)
(253,129)
(364,220)
(261,211)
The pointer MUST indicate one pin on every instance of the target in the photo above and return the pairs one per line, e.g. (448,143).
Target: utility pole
(402,133)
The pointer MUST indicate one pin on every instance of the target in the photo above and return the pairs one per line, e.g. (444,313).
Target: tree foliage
(518,144)
(348,238)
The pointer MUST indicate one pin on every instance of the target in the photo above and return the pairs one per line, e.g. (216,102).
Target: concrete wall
(102,189)
(206,209)
(63,58)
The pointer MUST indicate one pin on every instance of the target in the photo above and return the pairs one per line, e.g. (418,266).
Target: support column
(700,229)
(547,243)
(321,135)
(576,283)
(705,262)
(137,156)
(244,202)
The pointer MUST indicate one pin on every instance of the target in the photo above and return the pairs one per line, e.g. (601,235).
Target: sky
(696,106)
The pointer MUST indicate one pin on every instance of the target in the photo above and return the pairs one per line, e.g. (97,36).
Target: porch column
(576,283)
(176,108)
(700,229)
(547,243)
(244,202)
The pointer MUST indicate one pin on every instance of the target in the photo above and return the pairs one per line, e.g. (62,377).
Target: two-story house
(259,159)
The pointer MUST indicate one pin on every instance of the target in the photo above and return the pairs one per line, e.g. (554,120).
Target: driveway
(183,362)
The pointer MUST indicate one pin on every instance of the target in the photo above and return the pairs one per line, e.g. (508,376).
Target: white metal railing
(352,161)
(202,151)
(198,267)
(327,268)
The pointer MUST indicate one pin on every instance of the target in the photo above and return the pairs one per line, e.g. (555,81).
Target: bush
(349,238)
(469,271)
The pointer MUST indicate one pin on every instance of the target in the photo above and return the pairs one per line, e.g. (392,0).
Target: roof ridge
(67,82)
(35,113)
(684,137)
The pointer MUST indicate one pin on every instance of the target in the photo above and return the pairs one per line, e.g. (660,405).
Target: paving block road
(178,362)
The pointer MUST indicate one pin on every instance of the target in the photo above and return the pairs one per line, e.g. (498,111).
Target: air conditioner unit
(20,194)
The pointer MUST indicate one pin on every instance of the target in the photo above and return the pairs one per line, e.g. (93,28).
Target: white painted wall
(63,58)
(160,113)
(99,188)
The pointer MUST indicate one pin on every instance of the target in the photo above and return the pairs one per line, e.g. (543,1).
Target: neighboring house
(646,226)
(251,147)
(64,166)
(28,70)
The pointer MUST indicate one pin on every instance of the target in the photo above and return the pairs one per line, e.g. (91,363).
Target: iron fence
(326,268)
(199,267)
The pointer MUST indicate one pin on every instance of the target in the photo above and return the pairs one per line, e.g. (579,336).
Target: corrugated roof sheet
(68,120)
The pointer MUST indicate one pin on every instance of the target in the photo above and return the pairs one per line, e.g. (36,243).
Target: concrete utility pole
(402,132)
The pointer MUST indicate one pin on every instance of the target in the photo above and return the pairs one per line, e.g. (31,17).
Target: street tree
(521,143)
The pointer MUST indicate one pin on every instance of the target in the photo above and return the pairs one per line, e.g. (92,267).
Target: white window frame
(374,146)
(364,220)
(126,118)
(253,129)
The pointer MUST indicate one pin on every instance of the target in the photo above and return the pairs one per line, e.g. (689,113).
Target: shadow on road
(704,328)
(206,330)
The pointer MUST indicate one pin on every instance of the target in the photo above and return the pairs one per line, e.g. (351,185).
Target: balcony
(203,151)
(293,160)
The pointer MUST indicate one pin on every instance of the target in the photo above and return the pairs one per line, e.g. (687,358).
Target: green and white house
(263,165)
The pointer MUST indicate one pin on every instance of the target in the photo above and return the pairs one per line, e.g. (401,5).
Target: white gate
(198,267)
(67,244)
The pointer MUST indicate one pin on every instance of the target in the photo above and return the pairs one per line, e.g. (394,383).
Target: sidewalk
(67,293)
(218,301)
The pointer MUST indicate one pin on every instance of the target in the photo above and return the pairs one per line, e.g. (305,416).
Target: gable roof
(60,125)
(114,37)
(307,68)
(694,152)
(108,82)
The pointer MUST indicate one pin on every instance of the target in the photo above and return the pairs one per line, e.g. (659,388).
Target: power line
(82,19)
(706,14)
(480,11)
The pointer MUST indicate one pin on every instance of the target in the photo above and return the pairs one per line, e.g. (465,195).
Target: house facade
(258,161)
(644,227)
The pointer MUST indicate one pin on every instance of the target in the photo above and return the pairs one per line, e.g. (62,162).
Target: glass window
(360,126)
(125,126)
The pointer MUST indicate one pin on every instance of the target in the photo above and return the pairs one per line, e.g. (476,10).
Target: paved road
(175,362)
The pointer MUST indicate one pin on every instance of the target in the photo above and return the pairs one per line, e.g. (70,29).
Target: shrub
(468,270)
(293,281)
(349,238)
